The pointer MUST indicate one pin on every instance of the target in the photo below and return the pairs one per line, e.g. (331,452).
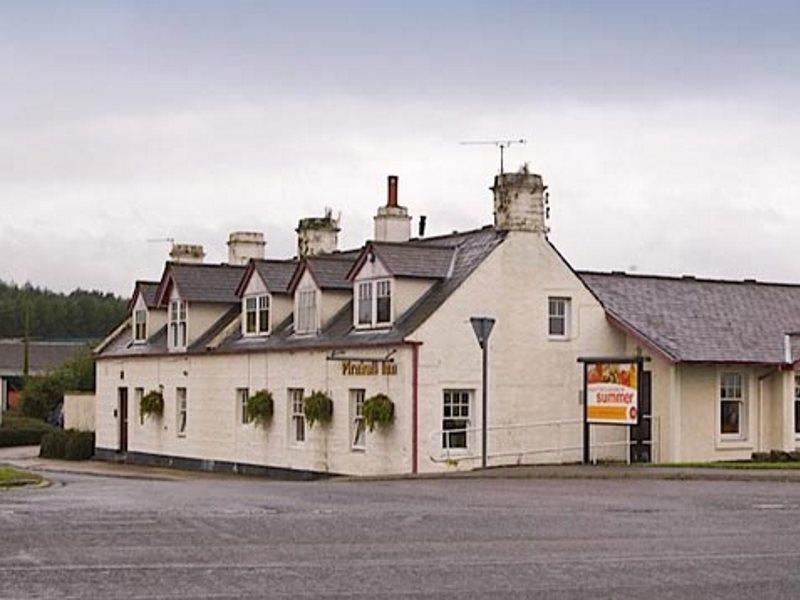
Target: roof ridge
(689,278)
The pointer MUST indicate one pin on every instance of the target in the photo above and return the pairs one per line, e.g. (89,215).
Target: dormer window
(306,312)
(140,325)
(374,299)
(257,314)
(177,323)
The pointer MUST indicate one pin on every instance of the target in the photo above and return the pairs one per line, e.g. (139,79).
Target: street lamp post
(483,328)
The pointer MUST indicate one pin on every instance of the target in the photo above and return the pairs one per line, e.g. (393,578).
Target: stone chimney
(187,253)
(244,245)
(392,223)
(519,203)
(317,235)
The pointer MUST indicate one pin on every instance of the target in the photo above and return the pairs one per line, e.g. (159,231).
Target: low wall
(79,411)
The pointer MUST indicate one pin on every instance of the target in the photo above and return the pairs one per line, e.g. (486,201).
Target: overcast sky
(669,133)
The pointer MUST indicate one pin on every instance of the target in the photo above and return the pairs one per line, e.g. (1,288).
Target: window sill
(180,436)
(559,338)
(358,449)
(733,444)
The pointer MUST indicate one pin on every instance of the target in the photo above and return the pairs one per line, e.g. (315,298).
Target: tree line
(47,314)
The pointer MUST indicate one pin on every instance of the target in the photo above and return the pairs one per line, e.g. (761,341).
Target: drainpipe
(414,408)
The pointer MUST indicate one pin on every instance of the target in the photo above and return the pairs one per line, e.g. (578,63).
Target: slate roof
(42,355)
(329,271)
(148,290)
(469,249)
(276,274)
(464,252)
(409,259)
(204,282)
(703,320)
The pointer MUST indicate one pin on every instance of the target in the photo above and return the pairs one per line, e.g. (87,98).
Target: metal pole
(585,413)
(485,403)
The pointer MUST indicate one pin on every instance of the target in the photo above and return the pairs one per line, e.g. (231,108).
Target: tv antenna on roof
(502,144)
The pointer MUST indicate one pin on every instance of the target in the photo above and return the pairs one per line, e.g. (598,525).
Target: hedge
(22,431)
(70,444)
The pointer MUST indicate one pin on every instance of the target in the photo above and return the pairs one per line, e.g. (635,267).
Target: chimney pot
(391,190)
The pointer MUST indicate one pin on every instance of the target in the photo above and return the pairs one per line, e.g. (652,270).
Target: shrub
(260,407)
(152,403)
(378,410)
(22,431)
(54,444)
(70,445)
(79,446)
(43,393)
(318,407)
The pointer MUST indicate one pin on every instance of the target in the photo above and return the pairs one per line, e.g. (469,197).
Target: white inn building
(392,318)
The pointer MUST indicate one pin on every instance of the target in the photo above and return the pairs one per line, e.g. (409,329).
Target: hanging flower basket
(260,408)
(378,411)
(152,404)
(318,407)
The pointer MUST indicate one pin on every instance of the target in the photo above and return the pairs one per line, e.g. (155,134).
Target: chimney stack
(187,254)
(519,203)
(392,223)
(317,235)
(244,245)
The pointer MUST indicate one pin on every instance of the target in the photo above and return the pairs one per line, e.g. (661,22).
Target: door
(642,434)
(123,419)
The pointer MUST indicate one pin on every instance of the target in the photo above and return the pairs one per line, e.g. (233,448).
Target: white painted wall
(79,411)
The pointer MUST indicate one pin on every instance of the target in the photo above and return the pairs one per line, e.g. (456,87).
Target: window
(298,419)
(455,418)
(256,314)
(797,405)
(180,406)
(383,302)
(374,303)
(365,303)
(177,323)
(306,311)
(358,434)
(263,314)
(138,394)
(250,315)
(558,317)
(140,325)
(732,406)
(241,405)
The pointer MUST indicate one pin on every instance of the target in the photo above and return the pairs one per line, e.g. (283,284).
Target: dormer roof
(148,290)
(276,275)
(408,259)
(329,272)
(200,283)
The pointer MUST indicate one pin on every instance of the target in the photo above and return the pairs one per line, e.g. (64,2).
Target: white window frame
(297,419)
(566,317)
(138,394)
(242,394)
(796,405)
(260,303)
(181,411)
(724,391)
(310,312)
(178,324)
(449,416)
(139,326)
(373,289)
(358,430)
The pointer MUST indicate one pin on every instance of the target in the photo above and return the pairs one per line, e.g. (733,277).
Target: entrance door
(642,434)
(123,419)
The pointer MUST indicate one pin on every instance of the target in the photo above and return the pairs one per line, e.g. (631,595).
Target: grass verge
(11,477)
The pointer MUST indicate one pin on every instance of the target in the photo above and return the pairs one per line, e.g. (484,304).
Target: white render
(533,378)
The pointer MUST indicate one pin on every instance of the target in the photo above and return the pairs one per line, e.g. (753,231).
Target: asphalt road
(226,537)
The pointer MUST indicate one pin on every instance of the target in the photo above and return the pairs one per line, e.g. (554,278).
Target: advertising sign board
(612,393)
